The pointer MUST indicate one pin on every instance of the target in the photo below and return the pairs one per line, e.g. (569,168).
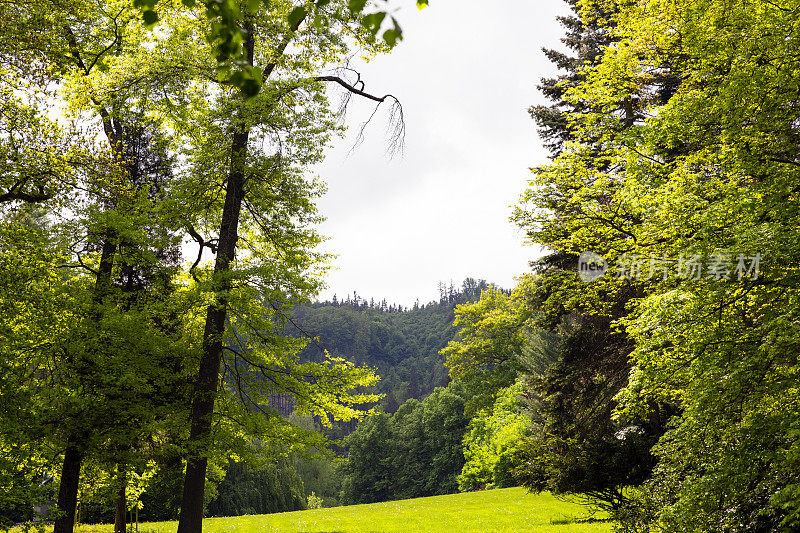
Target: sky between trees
(465,75)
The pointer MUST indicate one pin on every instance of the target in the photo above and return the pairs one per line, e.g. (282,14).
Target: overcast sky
(466,73)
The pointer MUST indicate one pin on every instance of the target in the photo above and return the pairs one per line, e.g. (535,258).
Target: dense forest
(138,136)
(646,363)
(402,344)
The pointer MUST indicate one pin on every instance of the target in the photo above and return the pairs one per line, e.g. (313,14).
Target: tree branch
(203,244)
(399,133)
(354,90)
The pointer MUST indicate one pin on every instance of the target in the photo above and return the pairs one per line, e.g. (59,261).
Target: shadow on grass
(564,520)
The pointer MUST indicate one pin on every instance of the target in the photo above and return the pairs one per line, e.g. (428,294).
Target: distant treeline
(449,294)
(402,343)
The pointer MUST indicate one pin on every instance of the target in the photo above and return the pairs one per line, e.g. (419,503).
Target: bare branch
(396,121)
(203,244)
(355,90)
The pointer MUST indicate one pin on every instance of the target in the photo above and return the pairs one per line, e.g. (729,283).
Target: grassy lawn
(502,510)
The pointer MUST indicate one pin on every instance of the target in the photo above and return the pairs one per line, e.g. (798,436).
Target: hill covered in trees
(401,343)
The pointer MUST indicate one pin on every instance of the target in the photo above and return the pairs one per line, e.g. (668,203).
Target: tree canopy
(228,31)
(680,169)
(116,350)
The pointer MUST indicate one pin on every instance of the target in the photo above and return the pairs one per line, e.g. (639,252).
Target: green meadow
(501,510)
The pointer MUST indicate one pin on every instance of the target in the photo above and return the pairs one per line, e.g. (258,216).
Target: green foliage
(102,324)
(415,452)
(564,439)
(322,477)
(369,461)
(161,500)
(272,488)
(684,144)
(585,38)
(487,351)
(228,29)
(314,501)
(98,365)
(491,332)
(402,345)
(493,442)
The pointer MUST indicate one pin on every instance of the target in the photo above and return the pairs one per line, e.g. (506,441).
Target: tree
(86,51)
(368,471)
(485,354)
(701,169)
(228,31)
(291,117)
(585,37)
(108,216)
(493,442)
(576,445)
(270,488)
(414,452)
(570,368)
(26,263)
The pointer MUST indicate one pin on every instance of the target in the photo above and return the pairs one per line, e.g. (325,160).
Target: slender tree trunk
(68,490)
(73,456)
(122,501)
(191,517)
(120,512)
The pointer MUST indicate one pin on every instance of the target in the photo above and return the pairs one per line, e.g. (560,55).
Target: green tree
(576,446)
(485,355)
(228,30)
(414,452)
(704,170)
(271,488)
(98,357)
(270,139)
(369,468)
(494,441)
(100,61)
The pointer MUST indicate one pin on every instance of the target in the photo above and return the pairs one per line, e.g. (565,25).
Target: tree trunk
(122,501)
(68,490)
(191,518)
(71,469)
(191,515)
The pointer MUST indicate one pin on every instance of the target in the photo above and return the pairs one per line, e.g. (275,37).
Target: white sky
(465,73)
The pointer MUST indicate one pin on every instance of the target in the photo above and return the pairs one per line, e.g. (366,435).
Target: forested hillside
(401,343)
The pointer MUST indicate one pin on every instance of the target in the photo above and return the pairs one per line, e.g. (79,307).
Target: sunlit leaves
(686,143)
(86,348)
(493,437)
(296,16)
(227,33)
(492,332)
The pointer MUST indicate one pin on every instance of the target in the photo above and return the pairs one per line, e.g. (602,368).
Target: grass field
(501,510)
